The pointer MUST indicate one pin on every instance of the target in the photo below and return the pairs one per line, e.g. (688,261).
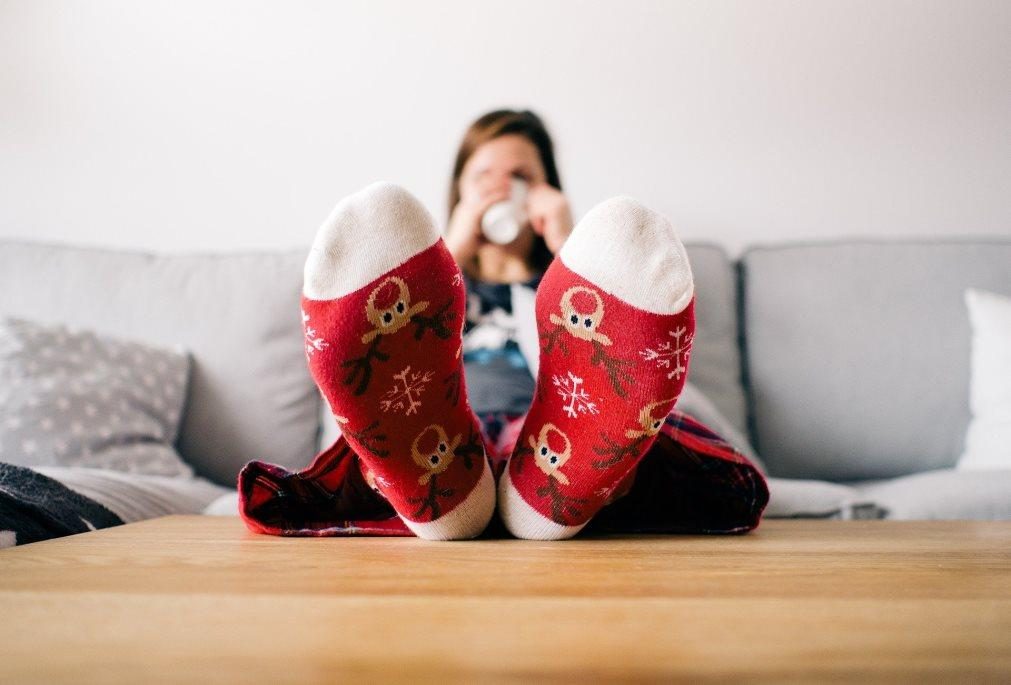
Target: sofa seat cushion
(942,494)
(133,497)
(797,498)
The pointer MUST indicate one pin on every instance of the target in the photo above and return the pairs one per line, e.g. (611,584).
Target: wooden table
(201,599)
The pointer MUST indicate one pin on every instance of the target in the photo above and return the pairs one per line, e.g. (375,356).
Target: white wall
(235,125)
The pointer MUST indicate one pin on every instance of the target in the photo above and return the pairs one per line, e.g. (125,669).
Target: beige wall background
(183,126)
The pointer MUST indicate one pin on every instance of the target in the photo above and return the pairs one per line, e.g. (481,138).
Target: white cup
(503,221)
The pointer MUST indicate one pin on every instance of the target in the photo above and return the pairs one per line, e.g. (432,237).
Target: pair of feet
(383,312)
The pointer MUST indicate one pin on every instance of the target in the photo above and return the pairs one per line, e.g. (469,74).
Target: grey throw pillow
(74,398)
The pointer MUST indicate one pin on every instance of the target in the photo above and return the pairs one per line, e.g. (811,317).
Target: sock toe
(525,522)
(366,235)
(633,253)
(467,520)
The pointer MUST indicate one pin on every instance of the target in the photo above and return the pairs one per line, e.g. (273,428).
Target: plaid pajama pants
(690,481)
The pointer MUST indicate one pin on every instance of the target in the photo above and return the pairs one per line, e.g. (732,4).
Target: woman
(593,442)
(497,148)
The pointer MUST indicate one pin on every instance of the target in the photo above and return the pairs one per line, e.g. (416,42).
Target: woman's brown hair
(503,122)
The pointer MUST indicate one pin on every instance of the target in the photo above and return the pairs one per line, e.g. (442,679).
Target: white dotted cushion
(74,398)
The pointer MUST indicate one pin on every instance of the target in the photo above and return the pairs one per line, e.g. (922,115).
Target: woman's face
(498,160)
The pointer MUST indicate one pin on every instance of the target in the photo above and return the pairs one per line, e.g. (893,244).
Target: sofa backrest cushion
(250,395)
(857,354)
(715,366)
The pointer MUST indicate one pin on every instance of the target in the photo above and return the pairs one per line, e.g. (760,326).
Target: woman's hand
(550,215)
(463,236)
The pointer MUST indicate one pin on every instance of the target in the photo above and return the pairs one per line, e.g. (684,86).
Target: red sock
(615,314)
(383,307)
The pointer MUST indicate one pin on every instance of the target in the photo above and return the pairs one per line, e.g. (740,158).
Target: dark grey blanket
(35,507)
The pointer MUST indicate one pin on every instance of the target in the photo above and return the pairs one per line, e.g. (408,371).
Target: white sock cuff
(366,235)
(633,253)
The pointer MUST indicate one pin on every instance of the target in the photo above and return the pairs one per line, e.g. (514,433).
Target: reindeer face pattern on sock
(388,309)
(583,319)
(433,451)
(552,449)
(650,419)
(389,317)
(579,314)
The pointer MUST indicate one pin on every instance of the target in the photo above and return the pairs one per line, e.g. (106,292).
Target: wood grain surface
(200,599)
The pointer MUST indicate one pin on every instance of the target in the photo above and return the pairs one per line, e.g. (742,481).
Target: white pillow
(988,441)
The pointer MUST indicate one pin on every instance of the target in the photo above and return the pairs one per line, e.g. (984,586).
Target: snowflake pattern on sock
(573,393)
(313,341)
(404,397)
(672,354)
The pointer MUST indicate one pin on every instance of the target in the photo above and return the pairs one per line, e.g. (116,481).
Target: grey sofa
(846,363)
